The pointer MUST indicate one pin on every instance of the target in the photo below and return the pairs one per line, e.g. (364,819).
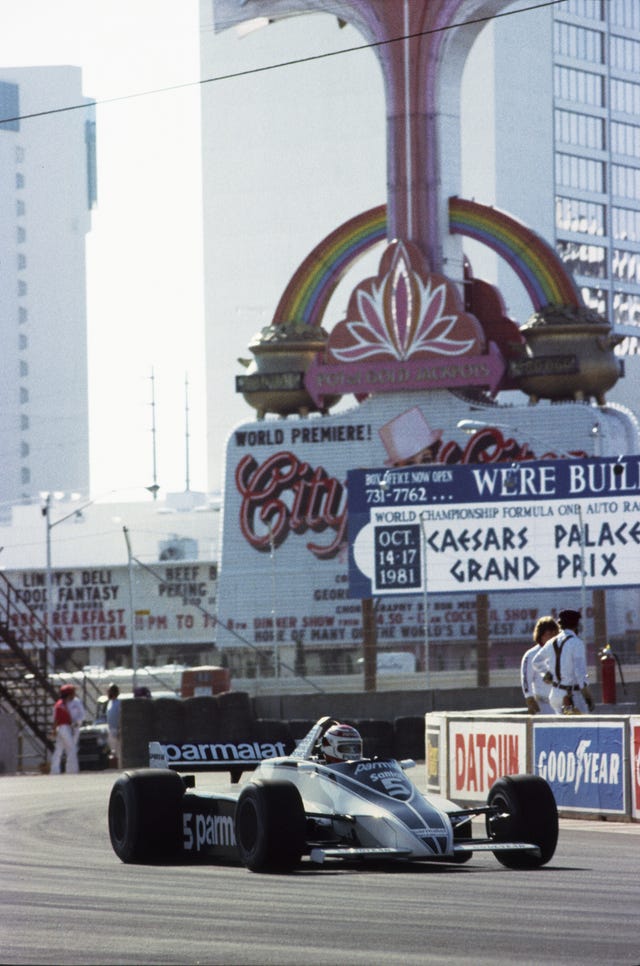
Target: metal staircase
(27,652)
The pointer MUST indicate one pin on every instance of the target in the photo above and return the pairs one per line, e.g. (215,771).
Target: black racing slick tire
(270,825)
(145,814)
(527,812)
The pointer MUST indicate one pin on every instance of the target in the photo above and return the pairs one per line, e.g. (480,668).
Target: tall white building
(551,134)
(47,189)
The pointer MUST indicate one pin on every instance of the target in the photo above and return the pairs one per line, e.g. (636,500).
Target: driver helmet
(67,691)
(341,742)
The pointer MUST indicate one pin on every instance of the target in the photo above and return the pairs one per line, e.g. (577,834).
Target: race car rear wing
(234,757)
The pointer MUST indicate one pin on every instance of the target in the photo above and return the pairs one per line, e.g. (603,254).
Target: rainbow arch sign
(534,261)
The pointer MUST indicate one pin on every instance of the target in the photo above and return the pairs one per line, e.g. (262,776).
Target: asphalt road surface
(65,898)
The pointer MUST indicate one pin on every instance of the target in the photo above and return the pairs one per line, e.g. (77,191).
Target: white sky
(144,252)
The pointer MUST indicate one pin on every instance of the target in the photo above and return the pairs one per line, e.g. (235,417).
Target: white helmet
(341,743)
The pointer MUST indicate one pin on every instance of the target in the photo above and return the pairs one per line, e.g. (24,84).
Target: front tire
(144,815)
(527,812)
(270,827)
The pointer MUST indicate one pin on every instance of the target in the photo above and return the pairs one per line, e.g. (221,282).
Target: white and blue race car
(300,807)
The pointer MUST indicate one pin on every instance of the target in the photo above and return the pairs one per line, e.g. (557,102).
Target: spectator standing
(113,721)
(64,732)
(78,714)
(563,663)
(534,688)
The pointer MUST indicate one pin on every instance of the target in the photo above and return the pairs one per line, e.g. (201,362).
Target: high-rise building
(557,144)
(47,190)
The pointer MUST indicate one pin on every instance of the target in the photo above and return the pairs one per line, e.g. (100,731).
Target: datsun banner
(584,764)
(480,752)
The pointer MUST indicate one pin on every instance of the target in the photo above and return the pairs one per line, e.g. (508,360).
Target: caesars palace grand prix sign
(537,525)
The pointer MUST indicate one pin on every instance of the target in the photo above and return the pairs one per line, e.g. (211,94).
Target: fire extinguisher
(608,668)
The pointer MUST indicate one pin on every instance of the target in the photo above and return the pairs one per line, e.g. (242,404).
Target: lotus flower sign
(405,329)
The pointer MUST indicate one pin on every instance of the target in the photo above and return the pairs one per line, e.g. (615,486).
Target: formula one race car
(313,805)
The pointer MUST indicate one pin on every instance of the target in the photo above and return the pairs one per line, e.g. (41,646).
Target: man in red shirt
(65,738)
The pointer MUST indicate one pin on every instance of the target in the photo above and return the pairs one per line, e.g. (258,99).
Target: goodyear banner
(534,525)
(584,764)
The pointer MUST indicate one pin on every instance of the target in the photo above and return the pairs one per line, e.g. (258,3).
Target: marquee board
(537,525)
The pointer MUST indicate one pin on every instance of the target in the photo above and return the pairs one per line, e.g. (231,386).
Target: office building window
(625,13)
(586,217)
(23,315)
(625,266)
(21,208)
(579,129)
(24,395)
(24,422)
(24,449)
(21,234)
(582,259)
(578,42)
(625,139)
(24,369)
(22,262)
(23,342)
(588,9)
(625,224)
(579,86)
(625,182)
(624,54)
(626,308)
(625,97)
(595,299)
(22,287)
(19,180)
(25,475)
(583,173)
(9,106)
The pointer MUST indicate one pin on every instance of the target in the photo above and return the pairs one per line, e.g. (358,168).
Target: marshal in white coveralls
(569,670)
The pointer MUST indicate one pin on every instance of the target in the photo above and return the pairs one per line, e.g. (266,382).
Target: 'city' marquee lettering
(316,502)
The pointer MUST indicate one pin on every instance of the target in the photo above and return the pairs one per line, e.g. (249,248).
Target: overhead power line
(281,64)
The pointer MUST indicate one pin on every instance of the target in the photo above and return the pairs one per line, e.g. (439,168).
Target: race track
(66,898)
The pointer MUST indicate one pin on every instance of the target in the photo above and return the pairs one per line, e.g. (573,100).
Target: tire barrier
(169,719)
(201,719)
(408,737)
(274,730)
(377,737)
(137,730)
(235,714)
(229,717)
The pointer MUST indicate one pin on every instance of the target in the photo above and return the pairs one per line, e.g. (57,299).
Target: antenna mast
(186,430)
(154,488)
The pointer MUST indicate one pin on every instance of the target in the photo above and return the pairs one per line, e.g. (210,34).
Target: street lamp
(49,611)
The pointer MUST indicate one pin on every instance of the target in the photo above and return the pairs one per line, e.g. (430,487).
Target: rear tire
(530,815)
(144,815)
(270,827)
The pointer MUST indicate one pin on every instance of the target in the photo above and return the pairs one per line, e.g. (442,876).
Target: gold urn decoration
(274,380)
(568,355)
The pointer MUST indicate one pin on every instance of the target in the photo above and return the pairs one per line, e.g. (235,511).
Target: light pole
(49,608)
(132,624)
(425,603)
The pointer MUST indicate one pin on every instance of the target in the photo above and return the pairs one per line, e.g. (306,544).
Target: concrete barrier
(592,762)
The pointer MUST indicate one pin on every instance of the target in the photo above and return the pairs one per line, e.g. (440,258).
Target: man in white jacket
(563,663)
